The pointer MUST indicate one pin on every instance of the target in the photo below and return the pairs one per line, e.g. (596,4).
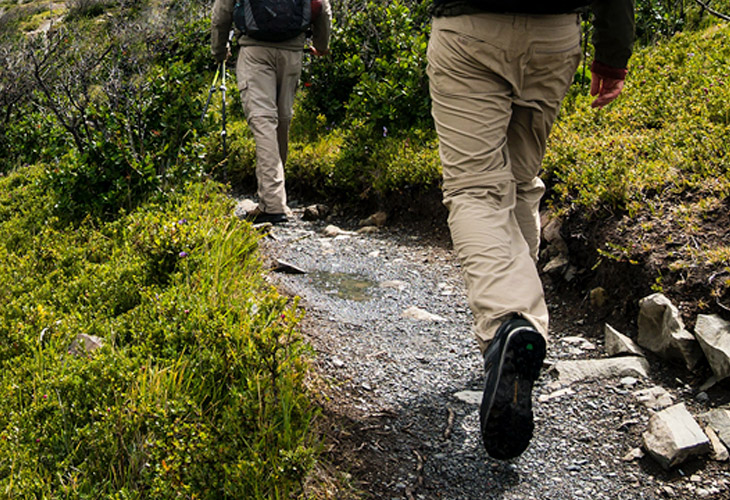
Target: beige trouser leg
(267,80)
(496,85)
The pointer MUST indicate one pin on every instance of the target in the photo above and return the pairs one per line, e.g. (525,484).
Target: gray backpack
(272,20)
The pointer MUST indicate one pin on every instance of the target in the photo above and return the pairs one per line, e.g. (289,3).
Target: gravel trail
(403,393)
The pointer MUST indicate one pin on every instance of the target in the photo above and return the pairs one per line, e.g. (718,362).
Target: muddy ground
(400,395)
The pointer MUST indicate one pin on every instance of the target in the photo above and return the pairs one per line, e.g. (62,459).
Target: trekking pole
(210,94)
(224,133)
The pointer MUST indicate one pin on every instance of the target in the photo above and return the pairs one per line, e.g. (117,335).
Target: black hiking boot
(512,364)
(256,216)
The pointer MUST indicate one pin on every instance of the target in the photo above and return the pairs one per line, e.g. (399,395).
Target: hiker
(498,72)
(267,70)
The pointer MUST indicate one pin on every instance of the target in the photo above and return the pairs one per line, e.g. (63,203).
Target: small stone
(376,219)
(627,424)
(338,362)
(556,264)
(580,342)
(719,451)
(470,397)
(667,491)
(287,268)
(635,454)
(419,314)
(598,297)
(551,229)
(396,284)
(331,231)
(570,273)
(244,206)
(315,212)
(655,398)
(706,492)
(85,344)
(702,397)
(695,478)
(368,230)
(618,344)
(557,394)
(628,381)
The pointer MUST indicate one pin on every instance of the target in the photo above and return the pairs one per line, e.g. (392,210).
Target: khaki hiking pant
(267,80)
(496,83)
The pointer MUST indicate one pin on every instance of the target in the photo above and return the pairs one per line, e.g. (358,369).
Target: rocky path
(387,317)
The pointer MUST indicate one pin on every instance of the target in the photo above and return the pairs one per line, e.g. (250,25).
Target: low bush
(198,390)
(669,132)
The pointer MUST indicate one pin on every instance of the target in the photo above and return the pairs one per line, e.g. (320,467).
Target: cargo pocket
(244,93)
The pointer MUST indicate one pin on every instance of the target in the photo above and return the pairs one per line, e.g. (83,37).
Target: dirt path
(399,418)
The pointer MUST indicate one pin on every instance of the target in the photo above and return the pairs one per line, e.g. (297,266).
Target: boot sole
(506,412)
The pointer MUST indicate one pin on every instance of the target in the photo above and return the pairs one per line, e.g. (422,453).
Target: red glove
(606,83)
(316,9)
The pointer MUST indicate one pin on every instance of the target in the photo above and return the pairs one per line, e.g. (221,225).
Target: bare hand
(318,53)
(607,89)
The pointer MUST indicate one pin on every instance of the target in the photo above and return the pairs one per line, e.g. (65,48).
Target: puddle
(343,285)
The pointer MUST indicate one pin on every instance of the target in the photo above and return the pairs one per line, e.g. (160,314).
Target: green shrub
(406,161)
(667,133)
(312,165)
(377,67)
(660,19)
(198,390)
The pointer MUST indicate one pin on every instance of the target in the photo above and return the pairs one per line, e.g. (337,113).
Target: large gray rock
(661,330)
(713,334)
(673,436)
(719,420)
(593,369)
(618,344)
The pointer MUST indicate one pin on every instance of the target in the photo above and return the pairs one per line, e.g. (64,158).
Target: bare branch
(712,11)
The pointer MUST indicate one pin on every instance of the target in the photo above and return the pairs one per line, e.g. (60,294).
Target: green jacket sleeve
(321,28)
(220,26)
(613,37)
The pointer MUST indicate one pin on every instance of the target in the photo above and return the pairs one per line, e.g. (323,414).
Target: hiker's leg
(256,73)
(289,68)
(546,76)
(472,82)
